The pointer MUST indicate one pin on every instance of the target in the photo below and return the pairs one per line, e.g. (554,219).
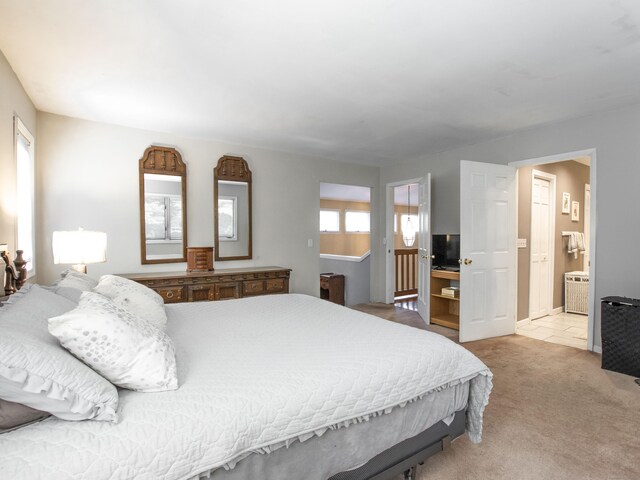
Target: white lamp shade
(79,247)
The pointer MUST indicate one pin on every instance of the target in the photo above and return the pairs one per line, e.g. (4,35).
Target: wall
(98,163)
(614,135)
(356,278)
(13,101)
(343,243)
(570,177)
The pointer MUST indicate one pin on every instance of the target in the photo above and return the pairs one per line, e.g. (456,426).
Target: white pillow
(125,349)
(36,371)
(135,298)
(77,280)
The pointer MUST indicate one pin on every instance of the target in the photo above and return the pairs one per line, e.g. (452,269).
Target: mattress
(256,375)
(348,448)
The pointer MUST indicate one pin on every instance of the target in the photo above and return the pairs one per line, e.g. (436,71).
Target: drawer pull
(170,294)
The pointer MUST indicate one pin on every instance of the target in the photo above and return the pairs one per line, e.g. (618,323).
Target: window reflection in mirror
(163,216)
(233,218)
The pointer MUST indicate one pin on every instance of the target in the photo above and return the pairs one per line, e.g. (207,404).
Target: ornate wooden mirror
(232,209)
(163,206)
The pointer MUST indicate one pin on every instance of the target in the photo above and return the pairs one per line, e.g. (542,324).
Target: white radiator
(576,292)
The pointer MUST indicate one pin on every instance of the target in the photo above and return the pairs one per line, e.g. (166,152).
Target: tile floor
(567,329)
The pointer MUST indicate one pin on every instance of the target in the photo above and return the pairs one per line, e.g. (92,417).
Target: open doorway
(345,243)
(554,213)
(405,246)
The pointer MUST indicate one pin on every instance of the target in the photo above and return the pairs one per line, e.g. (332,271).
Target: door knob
(433,257)
(468,261)
(460,261)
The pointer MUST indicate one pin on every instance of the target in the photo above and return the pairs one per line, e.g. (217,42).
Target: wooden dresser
(175,287)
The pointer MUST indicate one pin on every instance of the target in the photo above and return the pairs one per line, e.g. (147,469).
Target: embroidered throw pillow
(124,348)
(134,297)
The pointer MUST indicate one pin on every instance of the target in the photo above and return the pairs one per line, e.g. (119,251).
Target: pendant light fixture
(409,231)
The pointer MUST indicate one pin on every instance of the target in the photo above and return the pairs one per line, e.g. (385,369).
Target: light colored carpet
(553,414)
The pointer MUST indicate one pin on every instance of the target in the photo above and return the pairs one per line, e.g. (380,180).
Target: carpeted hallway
(553,414)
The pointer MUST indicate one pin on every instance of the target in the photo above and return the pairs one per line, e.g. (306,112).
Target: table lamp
(79,248)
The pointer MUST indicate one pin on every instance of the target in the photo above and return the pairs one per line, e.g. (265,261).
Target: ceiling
(348,193)
(365,81)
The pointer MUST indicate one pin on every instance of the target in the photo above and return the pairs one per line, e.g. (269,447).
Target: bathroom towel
(576,243)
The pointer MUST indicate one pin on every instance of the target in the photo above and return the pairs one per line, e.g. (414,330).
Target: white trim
(389,240)
(591,152)
(552,234)
(524,321)
(597,349)
(345,258)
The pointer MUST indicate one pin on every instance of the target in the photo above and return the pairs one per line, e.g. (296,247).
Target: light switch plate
(522,243)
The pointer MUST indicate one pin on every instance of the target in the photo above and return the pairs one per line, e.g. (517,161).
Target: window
(403,221)
(357,222)
(330,221)
(25,176)
(227,218)
(163,217)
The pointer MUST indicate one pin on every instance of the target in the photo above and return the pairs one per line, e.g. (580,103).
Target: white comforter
(255,374)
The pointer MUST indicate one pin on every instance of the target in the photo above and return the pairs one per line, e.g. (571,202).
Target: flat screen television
(446,251)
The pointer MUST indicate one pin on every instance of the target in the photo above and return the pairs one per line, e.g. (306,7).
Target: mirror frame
(162,161)
(234,169)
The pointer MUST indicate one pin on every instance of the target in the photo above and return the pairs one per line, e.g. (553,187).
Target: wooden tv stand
(445,311)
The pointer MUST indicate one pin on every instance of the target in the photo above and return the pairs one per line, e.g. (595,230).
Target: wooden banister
(406,263)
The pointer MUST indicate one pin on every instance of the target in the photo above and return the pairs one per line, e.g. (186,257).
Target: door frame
(552,231)
(389,260)
(562,157)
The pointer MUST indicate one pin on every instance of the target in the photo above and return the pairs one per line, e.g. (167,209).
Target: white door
(540,269)
(488,250)
(424,246)
(587,226)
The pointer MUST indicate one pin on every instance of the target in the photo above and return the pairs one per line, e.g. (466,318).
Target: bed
(274,387)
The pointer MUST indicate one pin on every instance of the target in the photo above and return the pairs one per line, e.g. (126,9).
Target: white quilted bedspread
(253,373)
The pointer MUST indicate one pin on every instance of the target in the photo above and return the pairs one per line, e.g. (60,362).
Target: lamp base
(80,267)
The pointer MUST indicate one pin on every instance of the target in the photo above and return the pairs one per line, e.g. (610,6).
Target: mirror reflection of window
(227,218)
(163,217)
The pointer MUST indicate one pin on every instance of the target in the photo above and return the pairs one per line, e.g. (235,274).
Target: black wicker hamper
(621,335)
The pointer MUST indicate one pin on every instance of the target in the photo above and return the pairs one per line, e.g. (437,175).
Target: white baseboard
(524,321)
(558,310)
(597,349)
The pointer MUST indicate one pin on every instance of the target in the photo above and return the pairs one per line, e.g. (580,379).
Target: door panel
(488,250)
(539,283)
(424,247)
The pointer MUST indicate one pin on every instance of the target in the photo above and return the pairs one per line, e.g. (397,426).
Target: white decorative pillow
(36,371)
(125,349)
(77,280)
(134,297)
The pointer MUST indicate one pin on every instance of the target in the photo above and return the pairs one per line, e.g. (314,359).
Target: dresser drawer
(171,294)
(275,285)
(201,293)
(226,290)
(252,287)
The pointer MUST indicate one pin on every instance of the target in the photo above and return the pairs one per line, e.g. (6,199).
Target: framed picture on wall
(575,211)
(566,202)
